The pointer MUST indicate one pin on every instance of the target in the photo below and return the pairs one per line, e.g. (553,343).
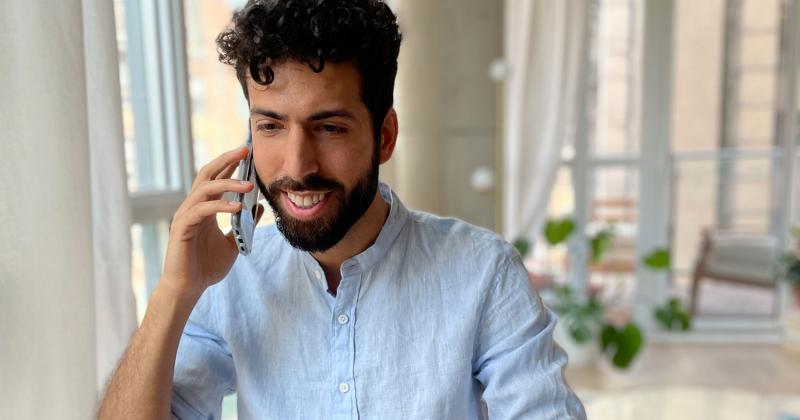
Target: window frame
(160,102)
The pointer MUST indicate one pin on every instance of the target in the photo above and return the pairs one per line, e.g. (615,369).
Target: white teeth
(305,201)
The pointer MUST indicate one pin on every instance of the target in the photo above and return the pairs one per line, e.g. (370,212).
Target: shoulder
(459,240)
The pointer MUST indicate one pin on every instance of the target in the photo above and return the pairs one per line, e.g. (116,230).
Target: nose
(300,158)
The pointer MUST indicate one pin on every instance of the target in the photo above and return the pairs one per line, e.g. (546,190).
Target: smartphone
(244,222)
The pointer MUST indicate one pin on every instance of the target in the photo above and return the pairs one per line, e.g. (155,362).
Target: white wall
(446,106)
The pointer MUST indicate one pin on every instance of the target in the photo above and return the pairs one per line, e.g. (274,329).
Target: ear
(388,135)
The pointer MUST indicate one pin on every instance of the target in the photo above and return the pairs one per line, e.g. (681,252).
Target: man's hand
(199,254)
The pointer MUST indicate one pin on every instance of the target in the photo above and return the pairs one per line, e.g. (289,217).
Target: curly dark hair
(313,32)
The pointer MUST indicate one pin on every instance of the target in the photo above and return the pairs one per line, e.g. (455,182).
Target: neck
(360,237)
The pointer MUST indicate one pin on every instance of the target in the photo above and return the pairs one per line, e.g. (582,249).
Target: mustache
(311,182)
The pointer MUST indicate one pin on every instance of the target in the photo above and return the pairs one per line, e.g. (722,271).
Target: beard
(325,231)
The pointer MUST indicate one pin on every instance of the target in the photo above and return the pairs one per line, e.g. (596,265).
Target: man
(350,306)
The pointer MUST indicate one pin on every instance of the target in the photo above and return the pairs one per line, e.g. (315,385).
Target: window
(726,170)
(725,149)
(597,185)
(181,108)
(155,118)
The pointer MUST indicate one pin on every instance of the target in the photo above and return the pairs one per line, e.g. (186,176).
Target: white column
(655,111)
(47,315)
(446,105)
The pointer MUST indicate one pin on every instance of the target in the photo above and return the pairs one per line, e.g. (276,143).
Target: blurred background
(642,156)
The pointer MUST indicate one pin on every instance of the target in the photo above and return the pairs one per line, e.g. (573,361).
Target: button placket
(343,336)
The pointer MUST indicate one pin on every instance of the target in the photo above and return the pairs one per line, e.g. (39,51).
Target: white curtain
(545,49)
(66,305)
(115,307)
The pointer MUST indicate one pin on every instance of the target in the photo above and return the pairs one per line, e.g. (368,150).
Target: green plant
(673,316)
(622,344)
(601,242)
(789,263)
(581,318)
(522,246)
(789,266)
(658,259)
(557,231)
(585,321)
(790,269)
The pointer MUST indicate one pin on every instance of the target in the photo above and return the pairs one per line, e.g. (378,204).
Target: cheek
(267,164)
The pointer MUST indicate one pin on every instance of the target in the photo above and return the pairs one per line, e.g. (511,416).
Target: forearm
(142,385)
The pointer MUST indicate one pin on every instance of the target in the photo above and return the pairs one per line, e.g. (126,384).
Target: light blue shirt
(434,316)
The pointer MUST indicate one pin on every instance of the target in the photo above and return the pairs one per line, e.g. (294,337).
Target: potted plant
(588,324)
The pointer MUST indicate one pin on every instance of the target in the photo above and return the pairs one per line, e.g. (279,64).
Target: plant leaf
(658,260)
(672,315)
(523,246)
(608,336)
(557,231)
(600,243)
(629,341)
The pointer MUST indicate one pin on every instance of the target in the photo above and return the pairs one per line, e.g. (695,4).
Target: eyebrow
(267,113)
(314,117)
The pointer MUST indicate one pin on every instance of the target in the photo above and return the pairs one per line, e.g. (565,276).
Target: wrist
(175,302)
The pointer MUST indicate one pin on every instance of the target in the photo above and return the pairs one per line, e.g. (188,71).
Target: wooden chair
(741,258)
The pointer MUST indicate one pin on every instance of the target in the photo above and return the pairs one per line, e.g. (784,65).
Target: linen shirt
(430,319)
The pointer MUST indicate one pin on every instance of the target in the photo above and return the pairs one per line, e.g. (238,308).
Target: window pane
(740,41)
(220,116)
(149,246)
(219,110)
(543,259)
(698,187)
(614,59)
(145,150)
(614,208)
(127,108)
(698,62)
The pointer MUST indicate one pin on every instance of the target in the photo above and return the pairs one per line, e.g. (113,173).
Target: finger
(213,190)
(228,172)
(213,168)
(200,211)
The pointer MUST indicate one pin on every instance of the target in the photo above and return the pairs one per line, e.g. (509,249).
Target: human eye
(267,127)
(332,129)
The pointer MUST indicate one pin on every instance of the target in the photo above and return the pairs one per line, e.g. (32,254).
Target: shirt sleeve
(204,371)
(517,361)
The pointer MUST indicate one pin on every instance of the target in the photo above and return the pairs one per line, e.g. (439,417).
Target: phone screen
(244,222)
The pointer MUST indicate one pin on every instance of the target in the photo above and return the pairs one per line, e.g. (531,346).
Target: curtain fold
(545,50)
(115,308)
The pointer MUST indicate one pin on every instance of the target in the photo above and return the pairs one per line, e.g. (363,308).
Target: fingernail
(244,182)
(233,203)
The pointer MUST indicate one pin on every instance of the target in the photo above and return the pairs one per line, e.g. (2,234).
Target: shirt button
(317,274)
(343,387)
(343,319)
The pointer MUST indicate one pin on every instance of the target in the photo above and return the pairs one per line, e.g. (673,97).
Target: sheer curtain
(545,48)
(66,305)
(114,301)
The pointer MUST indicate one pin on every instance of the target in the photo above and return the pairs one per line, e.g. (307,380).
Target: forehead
(297,87)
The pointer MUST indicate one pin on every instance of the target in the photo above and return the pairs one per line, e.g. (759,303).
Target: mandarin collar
(395,221)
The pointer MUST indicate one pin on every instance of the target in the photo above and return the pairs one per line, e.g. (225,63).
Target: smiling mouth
(306,200)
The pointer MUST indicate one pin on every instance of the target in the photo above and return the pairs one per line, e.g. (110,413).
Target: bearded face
(319,217)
